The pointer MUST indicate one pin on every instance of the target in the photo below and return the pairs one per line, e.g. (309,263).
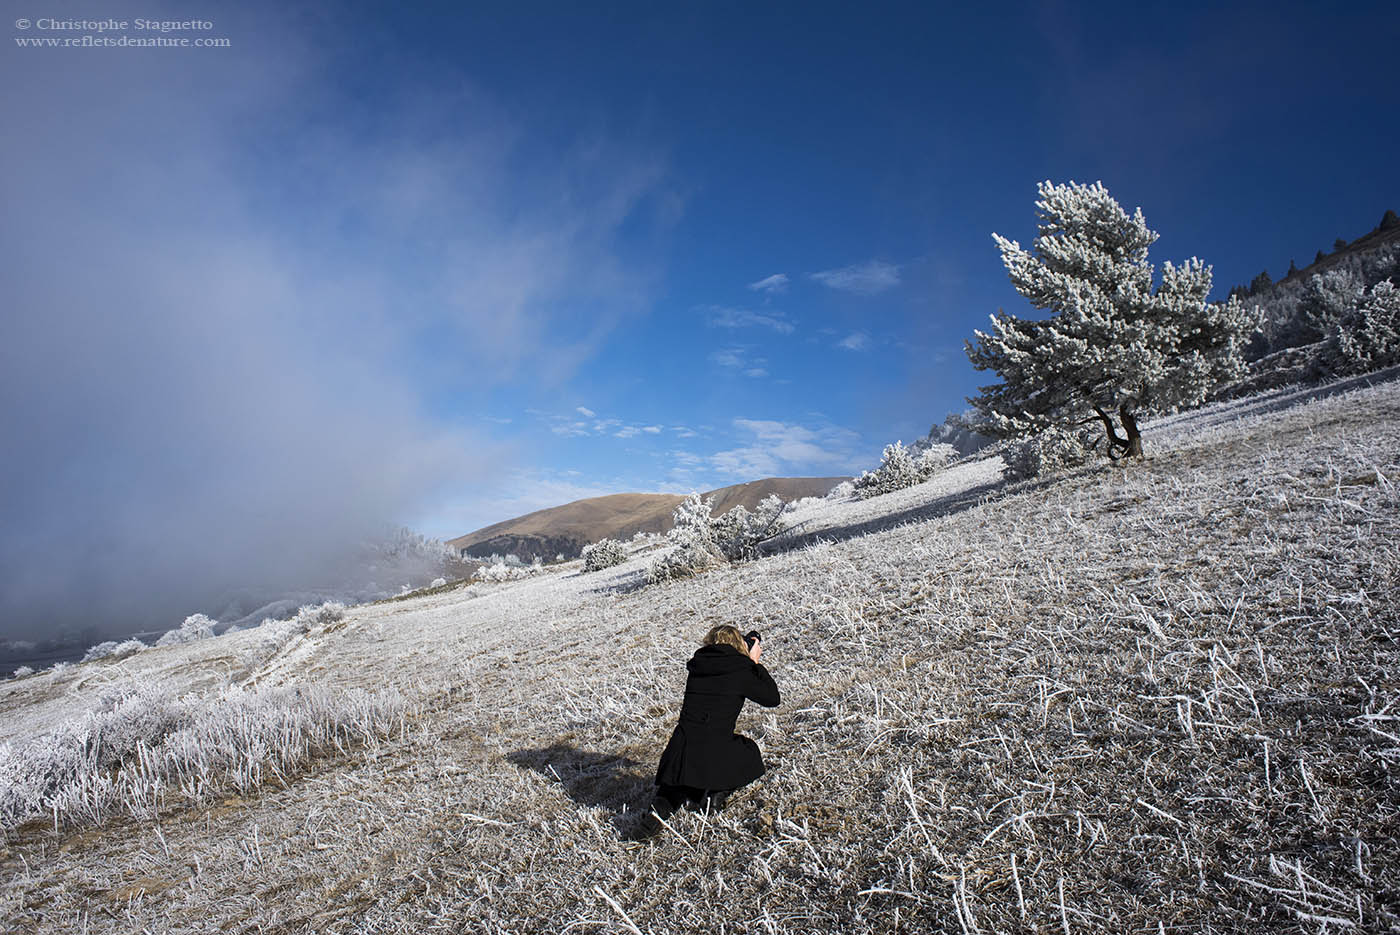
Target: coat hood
(717,660)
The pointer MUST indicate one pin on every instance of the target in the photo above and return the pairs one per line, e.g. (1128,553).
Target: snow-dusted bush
(128,647)
(1328,299)
(739,533)
(22,671)
(902,467)
(695,547)
(604,553)
(100,651)
(114,649)
(842,491)
(195,627)
(702,540)
(143,746)
(806,503)
(311,615)
(504,571)
(1054,449)
(1368,338)
(438,583)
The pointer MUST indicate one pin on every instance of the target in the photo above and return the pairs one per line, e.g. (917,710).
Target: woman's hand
(756,650)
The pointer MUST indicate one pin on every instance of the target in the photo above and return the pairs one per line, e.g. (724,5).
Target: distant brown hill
(567,529)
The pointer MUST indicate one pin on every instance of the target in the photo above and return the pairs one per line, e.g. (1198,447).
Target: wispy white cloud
(868,278)
(738,358)
(569,429)
(723,317)
(785,449)
(568,426)
(728,357)
(855,341)
(778,282)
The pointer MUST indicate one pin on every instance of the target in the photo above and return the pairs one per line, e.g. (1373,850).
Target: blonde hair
(727,635)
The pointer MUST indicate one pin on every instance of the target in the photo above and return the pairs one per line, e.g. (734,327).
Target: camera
(752,637)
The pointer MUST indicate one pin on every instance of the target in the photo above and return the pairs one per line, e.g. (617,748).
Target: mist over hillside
(374,568)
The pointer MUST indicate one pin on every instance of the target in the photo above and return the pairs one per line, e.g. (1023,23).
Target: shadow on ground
(617,784)
(796,537)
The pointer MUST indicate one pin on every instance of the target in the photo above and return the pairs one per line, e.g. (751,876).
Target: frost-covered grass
(146,747)
(1141,698)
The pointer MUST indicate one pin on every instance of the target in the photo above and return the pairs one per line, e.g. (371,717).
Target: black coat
(704,752)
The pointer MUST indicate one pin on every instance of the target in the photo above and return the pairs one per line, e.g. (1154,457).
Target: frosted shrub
(806,503)
(438,583)
(1054,449)
(694,540)
(901,467)
(128,647)
(681,562)
(505,571)
(115,650)
(1329,299)
(842,491)
(310,615)
(738,533)
(195,627)
(22,671)
(100,651)
(1370,337)
(702,540)
(603,554)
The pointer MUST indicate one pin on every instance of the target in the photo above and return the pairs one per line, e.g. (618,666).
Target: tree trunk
(1130,426)
(1118,446)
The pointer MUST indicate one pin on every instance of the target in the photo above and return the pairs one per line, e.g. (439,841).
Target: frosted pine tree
(1113,348)
(1369,338)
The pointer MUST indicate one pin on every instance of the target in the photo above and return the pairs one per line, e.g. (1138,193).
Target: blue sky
(445,264)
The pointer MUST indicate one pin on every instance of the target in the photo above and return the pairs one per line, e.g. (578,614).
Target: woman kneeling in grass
(705,760)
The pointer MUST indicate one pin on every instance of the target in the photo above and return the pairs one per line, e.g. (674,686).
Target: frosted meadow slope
(1161,698)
